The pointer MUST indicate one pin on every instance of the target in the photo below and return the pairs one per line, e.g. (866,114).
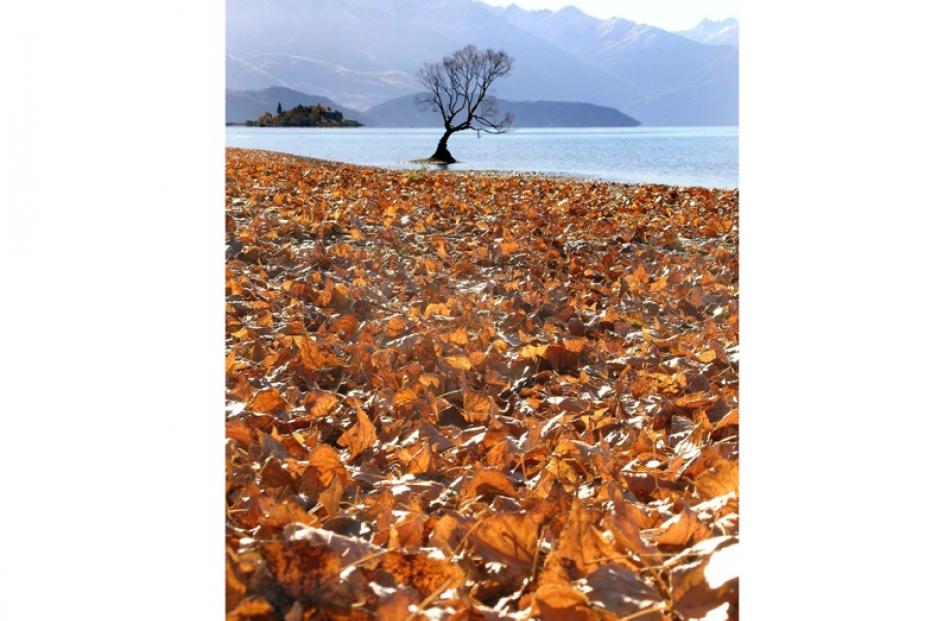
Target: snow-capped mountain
(364,52)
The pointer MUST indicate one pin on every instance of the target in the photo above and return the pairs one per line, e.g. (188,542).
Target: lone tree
(280,108)
(459,89)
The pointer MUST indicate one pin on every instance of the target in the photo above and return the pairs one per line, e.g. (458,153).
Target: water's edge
(682,157)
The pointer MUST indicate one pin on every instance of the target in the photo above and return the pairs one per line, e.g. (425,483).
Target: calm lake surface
(704,156)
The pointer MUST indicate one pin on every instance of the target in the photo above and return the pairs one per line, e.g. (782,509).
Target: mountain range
(723,32)
(404,112)
(243,105)
(365,52)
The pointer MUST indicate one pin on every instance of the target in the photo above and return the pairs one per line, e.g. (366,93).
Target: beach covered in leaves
(464,396)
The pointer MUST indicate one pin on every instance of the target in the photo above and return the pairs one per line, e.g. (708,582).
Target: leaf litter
(461,396)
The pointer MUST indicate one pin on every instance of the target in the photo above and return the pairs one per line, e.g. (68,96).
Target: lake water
(704,156)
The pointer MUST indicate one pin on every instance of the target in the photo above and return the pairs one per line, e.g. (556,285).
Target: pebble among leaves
(478,396)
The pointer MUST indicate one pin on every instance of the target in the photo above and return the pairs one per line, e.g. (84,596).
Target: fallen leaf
(682,529)
(319,402)
(510,538)
(561,602)
(707,356)
(721,479)
(476,407)
(488,481)
(268,401)
(359,437)
(621,591)
(254,608)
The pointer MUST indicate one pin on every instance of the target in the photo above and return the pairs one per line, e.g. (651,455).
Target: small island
(303,116)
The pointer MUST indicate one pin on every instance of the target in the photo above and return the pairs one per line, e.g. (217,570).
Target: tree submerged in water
(459,88)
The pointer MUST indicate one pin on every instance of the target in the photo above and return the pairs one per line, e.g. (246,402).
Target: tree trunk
(442,151)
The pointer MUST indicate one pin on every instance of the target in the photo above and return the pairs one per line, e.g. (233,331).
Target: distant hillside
(244,106)
(403,112)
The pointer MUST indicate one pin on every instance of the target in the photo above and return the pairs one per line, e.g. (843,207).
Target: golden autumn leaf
(395,326)
(508,247)
(488,481)
(462,363)
(274,474)
(404,397)
(421,460)
(327,463)
(704,582)
(731,418)
(510,538)
(533,351)
(623,525)
(476,407)
(301,569)
(335,295)
(359,437)
(396,606)
(268,401)
(426,573)
(347,324)
(561,602)
(696,400)
(254,608)
(313,357)
(623,592)
(721,479)
(320,402)
(682,529)
(566,354)
(659,284)
(234,586)
(437,309)
(707,356)
(306,562)
(330,497)
(637,277)
(459,336)
(430,381)
(581,543)
(241,389)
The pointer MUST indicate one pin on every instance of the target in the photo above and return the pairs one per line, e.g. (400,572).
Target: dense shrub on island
(303,116)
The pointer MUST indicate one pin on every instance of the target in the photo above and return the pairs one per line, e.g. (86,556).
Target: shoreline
(434,168)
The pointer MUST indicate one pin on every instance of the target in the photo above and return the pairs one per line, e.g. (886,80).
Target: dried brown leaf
(359,437)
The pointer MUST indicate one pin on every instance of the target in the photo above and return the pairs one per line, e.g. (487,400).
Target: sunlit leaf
(359,437)
(268,401)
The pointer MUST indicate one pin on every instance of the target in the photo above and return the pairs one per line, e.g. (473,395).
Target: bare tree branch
(459,88)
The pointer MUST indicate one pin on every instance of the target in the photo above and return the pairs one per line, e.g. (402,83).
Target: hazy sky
(667,14)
